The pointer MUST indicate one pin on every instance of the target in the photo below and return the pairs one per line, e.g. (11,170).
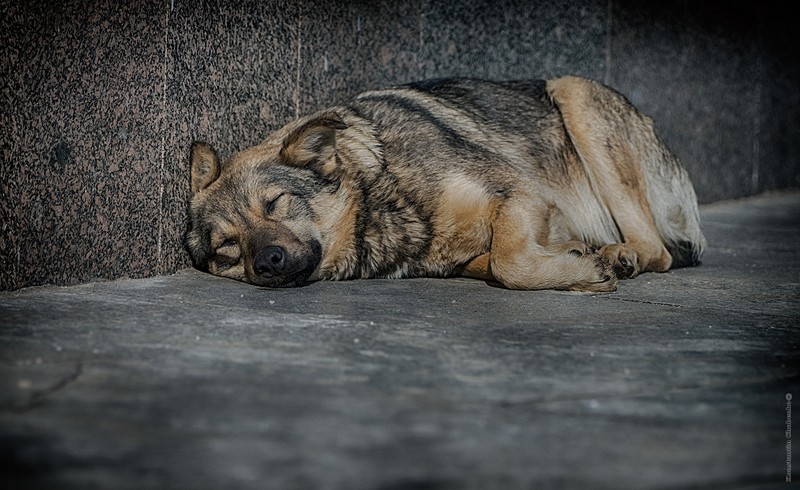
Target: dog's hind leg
(615,142)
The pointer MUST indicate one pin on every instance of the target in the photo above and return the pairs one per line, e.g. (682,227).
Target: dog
(556,184)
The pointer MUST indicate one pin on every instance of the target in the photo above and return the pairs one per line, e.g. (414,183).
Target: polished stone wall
(100,100)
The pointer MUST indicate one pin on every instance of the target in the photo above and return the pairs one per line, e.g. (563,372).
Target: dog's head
(257,218)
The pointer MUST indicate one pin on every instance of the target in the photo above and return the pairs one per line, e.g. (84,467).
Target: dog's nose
(270,261)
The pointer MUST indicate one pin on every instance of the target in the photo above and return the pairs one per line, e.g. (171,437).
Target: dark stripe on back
(412,108)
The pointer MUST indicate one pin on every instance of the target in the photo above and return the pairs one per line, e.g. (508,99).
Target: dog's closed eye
(228,247)
(273,204)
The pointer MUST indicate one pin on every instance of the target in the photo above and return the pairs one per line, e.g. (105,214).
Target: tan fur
(338,229)
(607,145)
(463,216)
(517,250)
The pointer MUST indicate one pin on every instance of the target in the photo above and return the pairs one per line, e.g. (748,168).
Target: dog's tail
(685,254)
(674,206)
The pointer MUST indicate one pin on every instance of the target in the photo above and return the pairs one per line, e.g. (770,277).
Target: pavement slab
(677,380)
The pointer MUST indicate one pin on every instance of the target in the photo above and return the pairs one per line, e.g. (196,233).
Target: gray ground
(677,380)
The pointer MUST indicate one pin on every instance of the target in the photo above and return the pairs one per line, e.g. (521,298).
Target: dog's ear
(205,166)
(313,144)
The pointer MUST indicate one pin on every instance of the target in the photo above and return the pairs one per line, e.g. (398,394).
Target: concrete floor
(678,380)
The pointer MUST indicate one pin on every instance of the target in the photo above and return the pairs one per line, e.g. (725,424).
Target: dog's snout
(270,261)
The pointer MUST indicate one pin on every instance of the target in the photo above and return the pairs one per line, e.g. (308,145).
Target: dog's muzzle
(275,266)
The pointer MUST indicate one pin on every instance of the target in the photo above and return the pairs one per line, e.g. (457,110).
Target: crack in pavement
(36,397)
(646,302)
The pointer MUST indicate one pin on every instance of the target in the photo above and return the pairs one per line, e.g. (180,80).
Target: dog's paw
(623,259)
(599,276)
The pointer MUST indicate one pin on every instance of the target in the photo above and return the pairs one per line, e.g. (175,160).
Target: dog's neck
(376,226)
(396,231)
(377,222)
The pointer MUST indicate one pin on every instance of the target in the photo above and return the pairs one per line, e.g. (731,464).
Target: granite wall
(99,100)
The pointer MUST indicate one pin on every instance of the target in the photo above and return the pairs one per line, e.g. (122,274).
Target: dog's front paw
(623,259)
(599,275)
